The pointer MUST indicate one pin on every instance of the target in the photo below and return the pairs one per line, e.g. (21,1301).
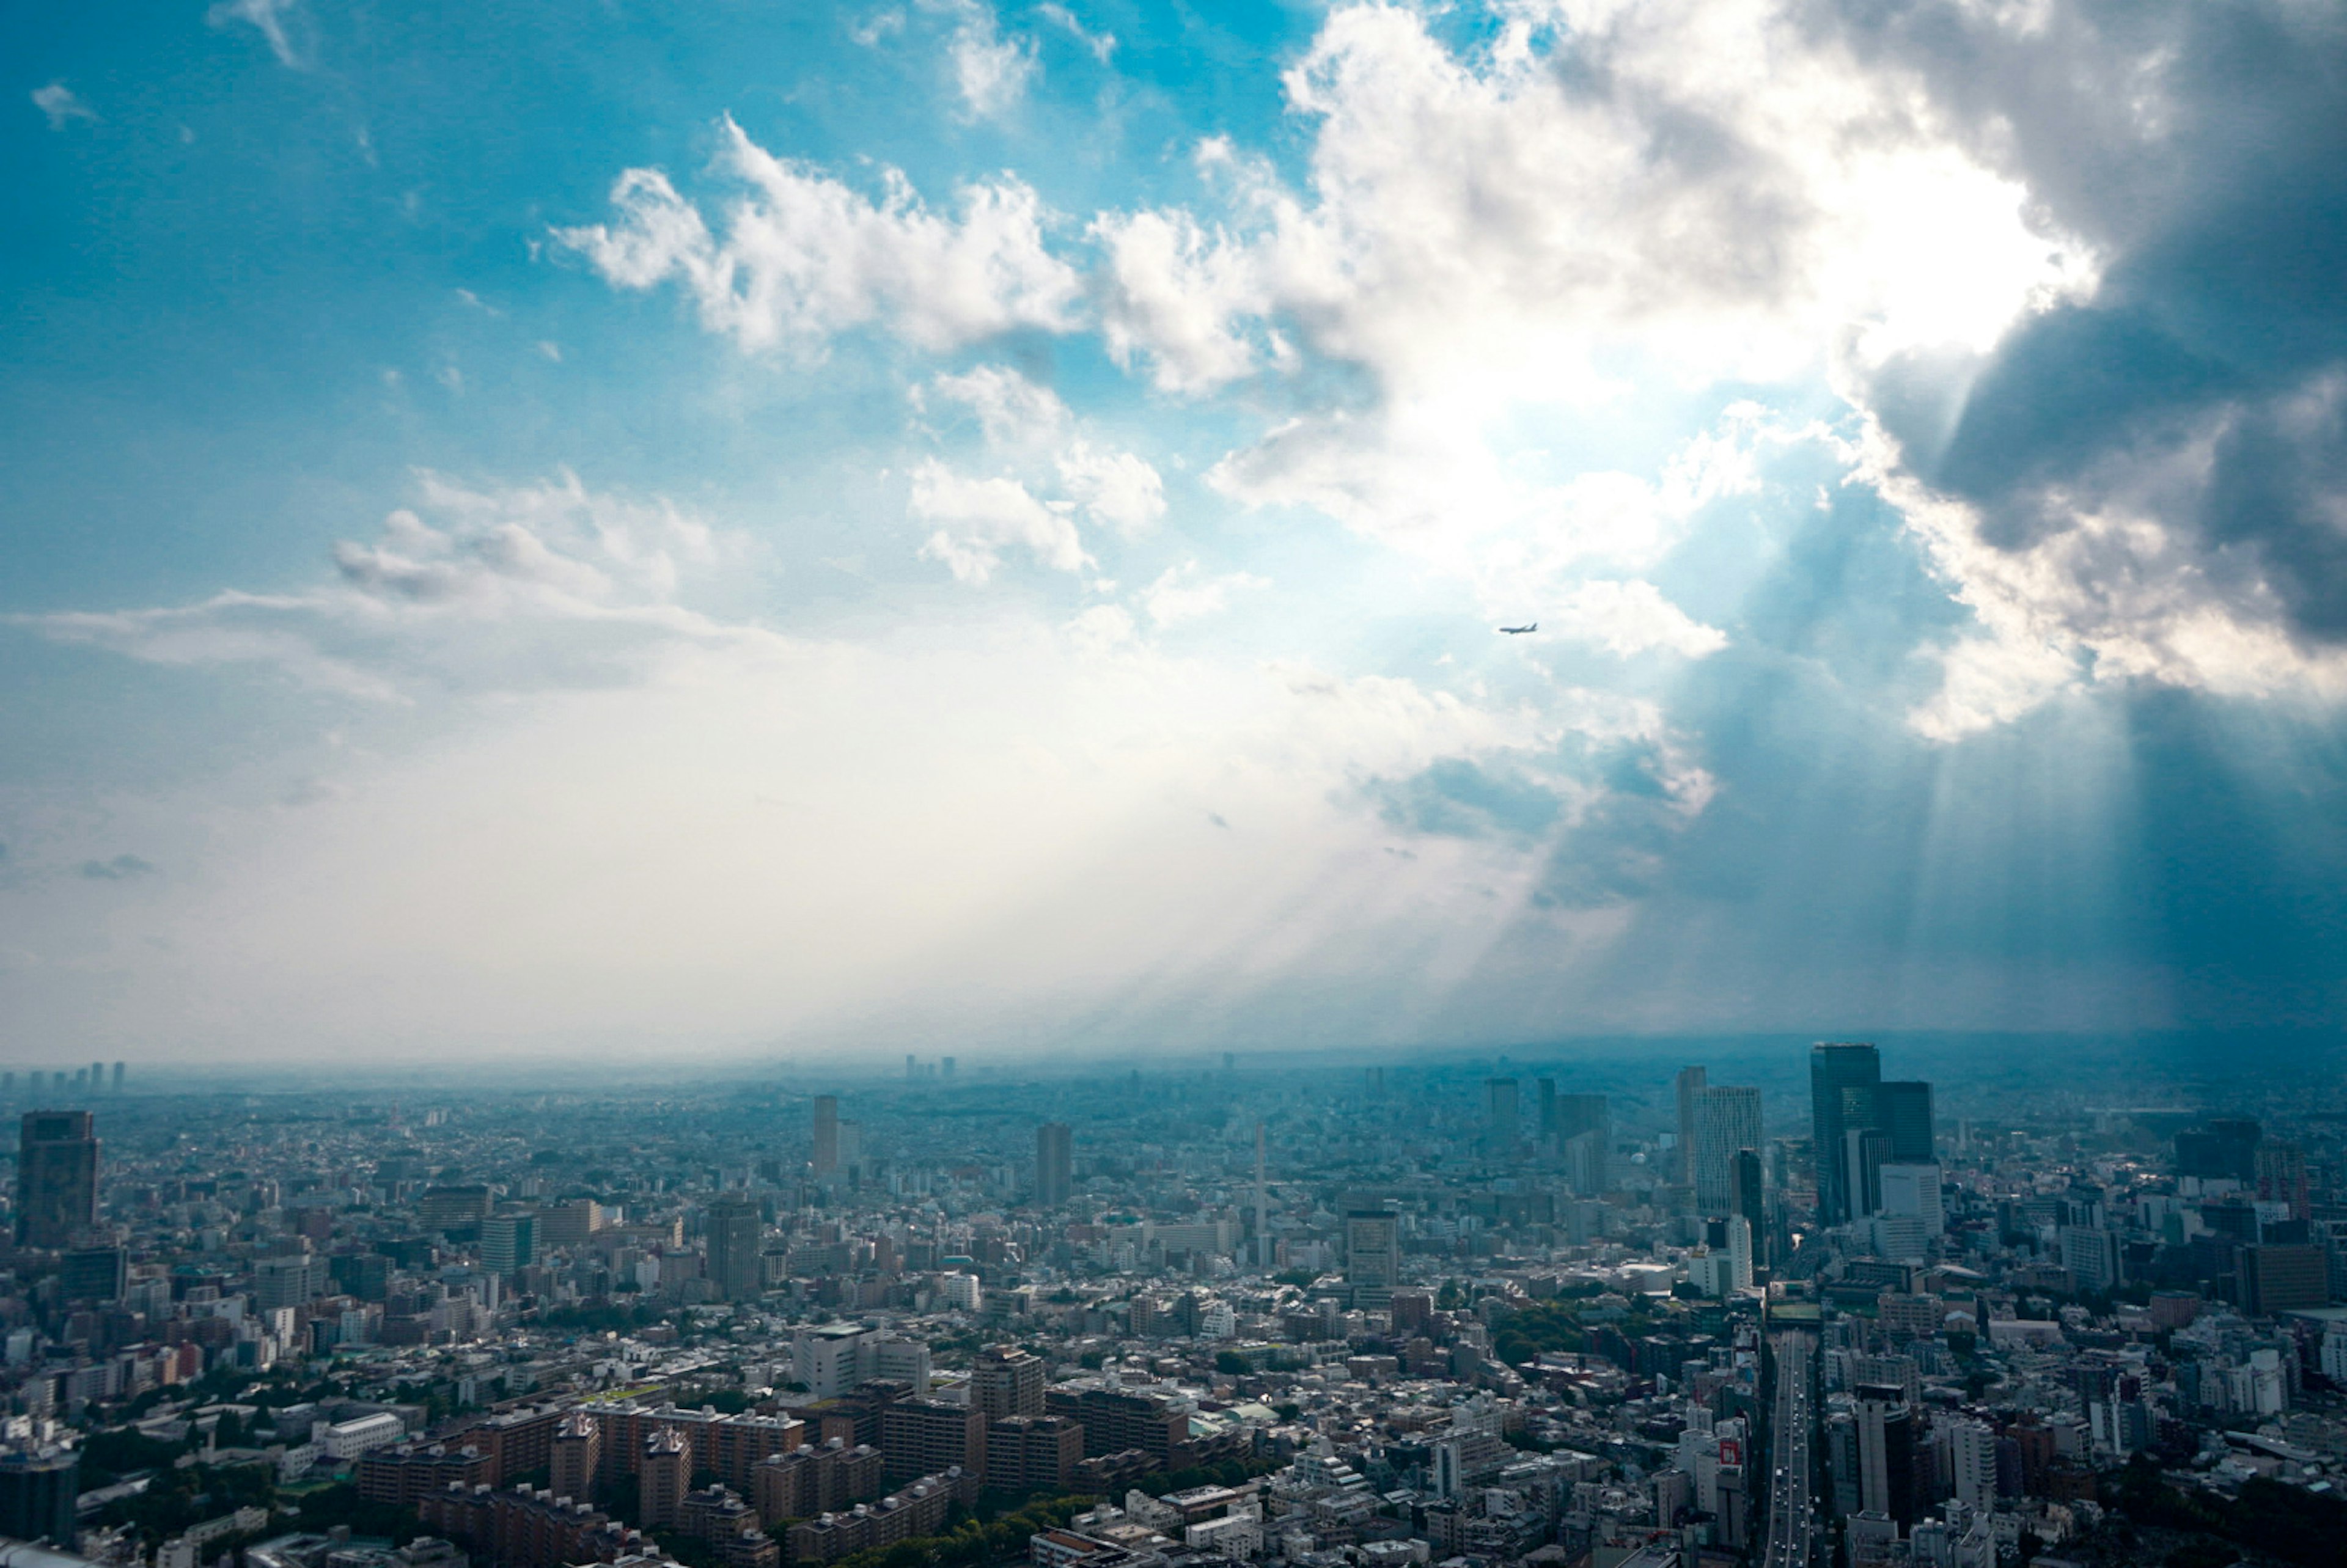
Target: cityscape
(1173,784)
(1313,1313)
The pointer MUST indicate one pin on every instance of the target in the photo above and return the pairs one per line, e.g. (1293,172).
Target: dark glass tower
(1836,1067)
(57,1178)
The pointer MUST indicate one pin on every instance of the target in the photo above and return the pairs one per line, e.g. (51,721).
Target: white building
(348,1439)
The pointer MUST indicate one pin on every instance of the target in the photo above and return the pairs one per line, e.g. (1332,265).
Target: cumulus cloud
(802,257)
(1633,616)
(1189,592)
(62,106)
(1028,428)
(2147,484)
(989,71)
(977,518)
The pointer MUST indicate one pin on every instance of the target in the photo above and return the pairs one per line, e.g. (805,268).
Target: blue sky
(757,528)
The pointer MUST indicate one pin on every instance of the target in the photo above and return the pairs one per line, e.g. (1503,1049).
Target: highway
(1793,1532)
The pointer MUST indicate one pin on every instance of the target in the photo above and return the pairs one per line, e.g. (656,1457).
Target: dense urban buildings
(1270,1315)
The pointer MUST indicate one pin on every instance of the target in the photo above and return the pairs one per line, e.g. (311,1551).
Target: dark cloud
(1463,799)
(2202,152)
(121,868)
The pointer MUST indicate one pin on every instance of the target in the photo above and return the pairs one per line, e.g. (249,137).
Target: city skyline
(988,529)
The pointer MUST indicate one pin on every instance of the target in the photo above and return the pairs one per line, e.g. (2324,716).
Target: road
(1793,1532)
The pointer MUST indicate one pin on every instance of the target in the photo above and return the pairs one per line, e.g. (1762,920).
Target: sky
(800,530)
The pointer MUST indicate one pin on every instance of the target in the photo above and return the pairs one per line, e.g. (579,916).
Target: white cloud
(803,258)
(63,106)
(1187,593)
(1102,45)
(1633,616)
(977,518)
(1115,489)
(991,72)
(1027,428)
(433,605)
(268,16)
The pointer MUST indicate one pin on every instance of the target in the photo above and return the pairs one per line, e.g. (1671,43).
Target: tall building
(37,1490)
(1886,1453)
(1006,1381)
(1725,1121)
(1836,1067)
(826,1159)
(1502,1123)
(1864,1151)
(576,1455)
(1546,1089)
(1055,1164)
(117,1077)
(2225,1150)
(736,1235)
(1903,1109)
(927,1437)
(1915,1190)
(509,1241)
(57,1178)
(1691,1082)
(2282,1176)
(1372,1256)
(1749,1203)
(663,1477)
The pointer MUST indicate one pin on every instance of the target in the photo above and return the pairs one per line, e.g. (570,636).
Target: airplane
(1520,630)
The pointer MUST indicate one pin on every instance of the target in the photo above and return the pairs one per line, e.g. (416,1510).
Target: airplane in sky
(1520,630)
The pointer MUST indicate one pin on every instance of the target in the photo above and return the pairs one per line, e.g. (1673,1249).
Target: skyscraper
(1903,1109)
(1372,1256)
(1886,1453)
(1691,1082)
(57,1178)
(1748,1202)
(827,1135)
(735,1232)
(1726,1120)
(117,1077)
(1055,1166)
(1835,1068)
(1501,1126)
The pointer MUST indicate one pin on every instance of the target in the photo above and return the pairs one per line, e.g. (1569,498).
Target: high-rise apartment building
(57,1178)
(1725,1121)
(736,1235)
(1006,1381)
(1372,1256)
(1055,1164)
(1836,1067)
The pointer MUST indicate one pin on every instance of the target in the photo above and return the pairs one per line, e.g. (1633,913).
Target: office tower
(735,1233)
(945,1067)
(1500,1118)
(37,1492)
(117,1077)
(823,1359)
(1585,1131)
(1726,1120)
(1748,1201)
(1546,1089)
(1579,1113)
(80,1081)
(1372,1256)
(509,1241)
(1692,1081)
(1886,1453)
(2276,1277)
(1006,1381)
(57,1178)
(1055,1164)
(912,1065)
(827,1135)
(1865,1151)
(1836,1067)
(97,1077)
(1903,1109)
(1913,1191)
(97,1274)
(1729,1239)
